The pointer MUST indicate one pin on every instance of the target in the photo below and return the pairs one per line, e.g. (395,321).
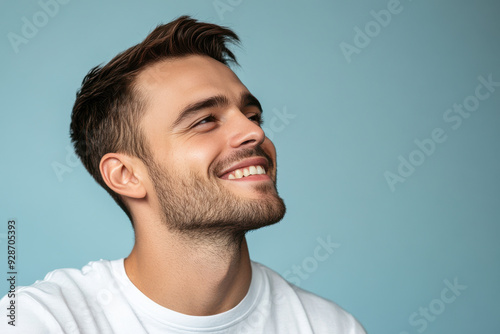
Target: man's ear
(123,175)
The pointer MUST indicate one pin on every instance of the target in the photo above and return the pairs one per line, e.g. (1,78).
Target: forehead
(175,83)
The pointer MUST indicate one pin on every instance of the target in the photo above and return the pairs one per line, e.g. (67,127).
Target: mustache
(240,155)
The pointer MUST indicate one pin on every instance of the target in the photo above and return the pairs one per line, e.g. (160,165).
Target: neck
(193,276)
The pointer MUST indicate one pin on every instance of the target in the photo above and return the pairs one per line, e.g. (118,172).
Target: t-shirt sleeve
(26,315)
(320,311)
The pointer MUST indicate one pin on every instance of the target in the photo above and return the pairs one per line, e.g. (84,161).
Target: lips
(254,161)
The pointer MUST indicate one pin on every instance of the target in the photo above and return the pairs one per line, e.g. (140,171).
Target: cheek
(196,157)
(269,148)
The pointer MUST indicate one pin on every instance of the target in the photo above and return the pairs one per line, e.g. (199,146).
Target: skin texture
(190,253)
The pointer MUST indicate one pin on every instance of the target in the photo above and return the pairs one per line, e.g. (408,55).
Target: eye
(208,119)
(257,118)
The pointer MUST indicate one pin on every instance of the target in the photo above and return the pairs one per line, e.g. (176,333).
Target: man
(172,134)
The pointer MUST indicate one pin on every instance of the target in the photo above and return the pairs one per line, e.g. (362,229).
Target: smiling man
(168,129)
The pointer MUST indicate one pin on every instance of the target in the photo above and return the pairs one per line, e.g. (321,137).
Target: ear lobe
(118,173)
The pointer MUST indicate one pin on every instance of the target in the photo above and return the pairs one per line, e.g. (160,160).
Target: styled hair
(108,106)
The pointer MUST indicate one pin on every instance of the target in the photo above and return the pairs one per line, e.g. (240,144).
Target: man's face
(202,126)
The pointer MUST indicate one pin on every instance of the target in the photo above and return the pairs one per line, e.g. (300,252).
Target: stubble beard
(203,209)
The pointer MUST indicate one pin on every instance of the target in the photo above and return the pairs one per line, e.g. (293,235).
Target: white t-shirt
(100,298)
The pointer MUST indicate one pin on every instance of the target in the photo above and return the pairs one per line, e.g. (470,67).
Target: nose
(244,132)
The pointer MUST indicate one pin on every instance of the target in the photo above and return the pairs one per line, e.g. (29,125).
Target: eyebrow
(246,99)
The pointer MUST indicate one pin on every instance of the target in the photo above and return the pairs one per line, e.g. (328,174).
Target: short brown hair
(108,108)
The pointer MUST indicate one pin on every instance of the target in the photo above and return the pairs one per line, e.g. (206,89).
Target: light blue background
(352,122)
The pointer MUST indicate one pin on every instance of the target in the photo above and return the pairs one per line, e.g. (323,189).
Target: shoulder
(48,305)
(69,281)
(322,314)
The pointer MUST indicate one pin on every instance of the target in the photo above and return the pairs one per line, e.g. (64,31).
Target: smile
(250,169)
(245,172)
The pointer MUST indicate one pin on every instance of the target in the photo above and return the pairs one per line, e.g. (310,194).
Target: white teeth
(251,170)
(238,174)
